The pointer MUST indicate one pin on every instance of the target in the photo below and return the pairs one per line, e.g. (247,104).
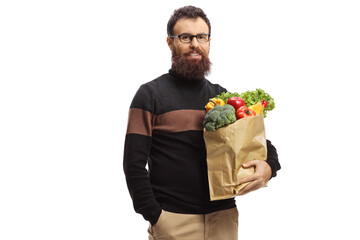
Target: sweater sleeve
(272,158)
(136,153)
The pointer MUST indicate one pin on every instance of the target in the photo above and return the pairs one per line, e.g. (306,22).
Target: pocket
(160,229)
(159,220)
(152,230)
(236,215)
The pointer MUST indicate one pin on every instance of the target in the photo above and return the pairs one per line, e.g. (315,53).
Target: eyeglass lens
(186,38)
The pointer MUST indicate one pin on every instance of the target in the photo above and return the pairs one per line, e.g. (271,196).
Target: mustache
(195,50)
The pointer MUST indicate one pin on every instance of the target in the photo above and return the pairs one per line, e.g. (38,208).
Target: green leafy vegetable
(226,95)
(251,98)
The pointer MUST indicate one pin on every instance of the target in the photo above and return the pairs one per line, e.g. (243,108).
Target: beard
(191,68)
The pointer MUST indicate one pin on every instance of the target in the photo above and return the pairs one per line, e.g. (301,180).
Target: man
(165,132)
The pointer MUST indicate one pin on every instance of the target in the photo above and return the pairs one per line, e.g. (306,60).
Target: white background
(69,70)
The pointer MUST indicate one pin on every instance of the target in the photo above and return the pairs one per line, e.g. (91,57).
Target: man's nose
(194,42)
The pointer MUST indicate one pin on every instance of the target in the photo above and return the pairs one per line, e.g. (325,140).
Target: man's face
(191,26)
(190,59)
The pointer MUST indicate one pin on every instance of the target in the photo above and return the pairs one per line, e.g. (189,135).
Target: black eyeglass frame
(191,37)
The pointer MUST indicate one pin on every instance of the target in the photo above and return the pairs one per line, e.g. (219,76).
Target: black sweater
(165,131)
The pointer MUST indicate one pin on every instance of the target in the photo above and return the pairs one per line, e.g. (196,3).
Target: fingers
(249,188)
(258,179)
(250,178)
(253,184)
(250,163)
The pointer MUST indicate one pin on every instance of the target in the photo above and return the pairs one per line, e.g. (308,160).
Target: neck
(184,80)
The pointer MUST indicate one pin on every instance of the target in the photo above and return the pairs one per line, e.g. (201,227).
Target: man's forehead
(190,25)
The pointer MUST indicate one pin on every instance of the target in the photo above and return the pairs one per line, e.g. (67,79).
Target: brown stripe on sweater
(140,122)
(179,120)
(144,123)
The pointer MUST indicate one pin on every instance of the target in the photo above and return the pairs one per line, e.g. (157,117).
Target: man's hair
(186,12)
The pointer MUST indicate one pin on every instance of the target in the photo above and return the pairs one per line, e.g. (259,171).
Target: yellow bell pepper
(210,105)
(258,108)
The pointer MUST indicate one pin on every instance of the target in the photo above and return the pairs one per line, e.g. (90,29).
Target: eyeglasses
(187,38)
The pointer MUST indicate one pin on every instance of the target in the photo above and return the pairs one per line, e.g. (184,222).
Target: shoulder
(146,94)
(215,87)
(155,84)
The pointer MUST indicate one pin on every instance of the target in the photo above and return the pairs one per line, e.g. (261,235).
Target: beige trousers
(221,225)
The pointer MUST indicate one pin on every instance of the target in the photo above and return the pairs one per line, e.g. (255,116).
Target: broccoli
(218,117)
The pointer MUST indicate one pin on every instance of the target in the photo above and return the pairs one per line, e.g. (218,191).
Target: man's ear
(170,42)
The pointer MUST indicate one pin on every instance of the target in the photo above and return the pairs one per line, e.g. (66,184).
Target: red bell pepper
(264,102)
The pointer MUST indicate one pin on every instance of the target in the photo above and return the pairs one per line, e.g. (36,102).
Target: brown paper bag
(227,149)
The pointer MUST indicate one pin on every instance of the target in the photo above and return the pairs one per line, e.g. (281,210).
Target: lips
(194,55)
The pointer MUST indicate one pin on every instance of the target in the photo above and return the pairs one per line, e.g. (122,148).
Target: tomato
(244,112)
(236,102)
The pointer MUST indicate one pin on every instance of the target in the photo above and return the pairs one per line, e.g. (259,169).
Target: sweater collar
(186,81)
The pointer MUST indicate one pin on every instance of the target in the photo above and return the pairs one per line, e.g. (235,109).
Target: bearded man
(165,131)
